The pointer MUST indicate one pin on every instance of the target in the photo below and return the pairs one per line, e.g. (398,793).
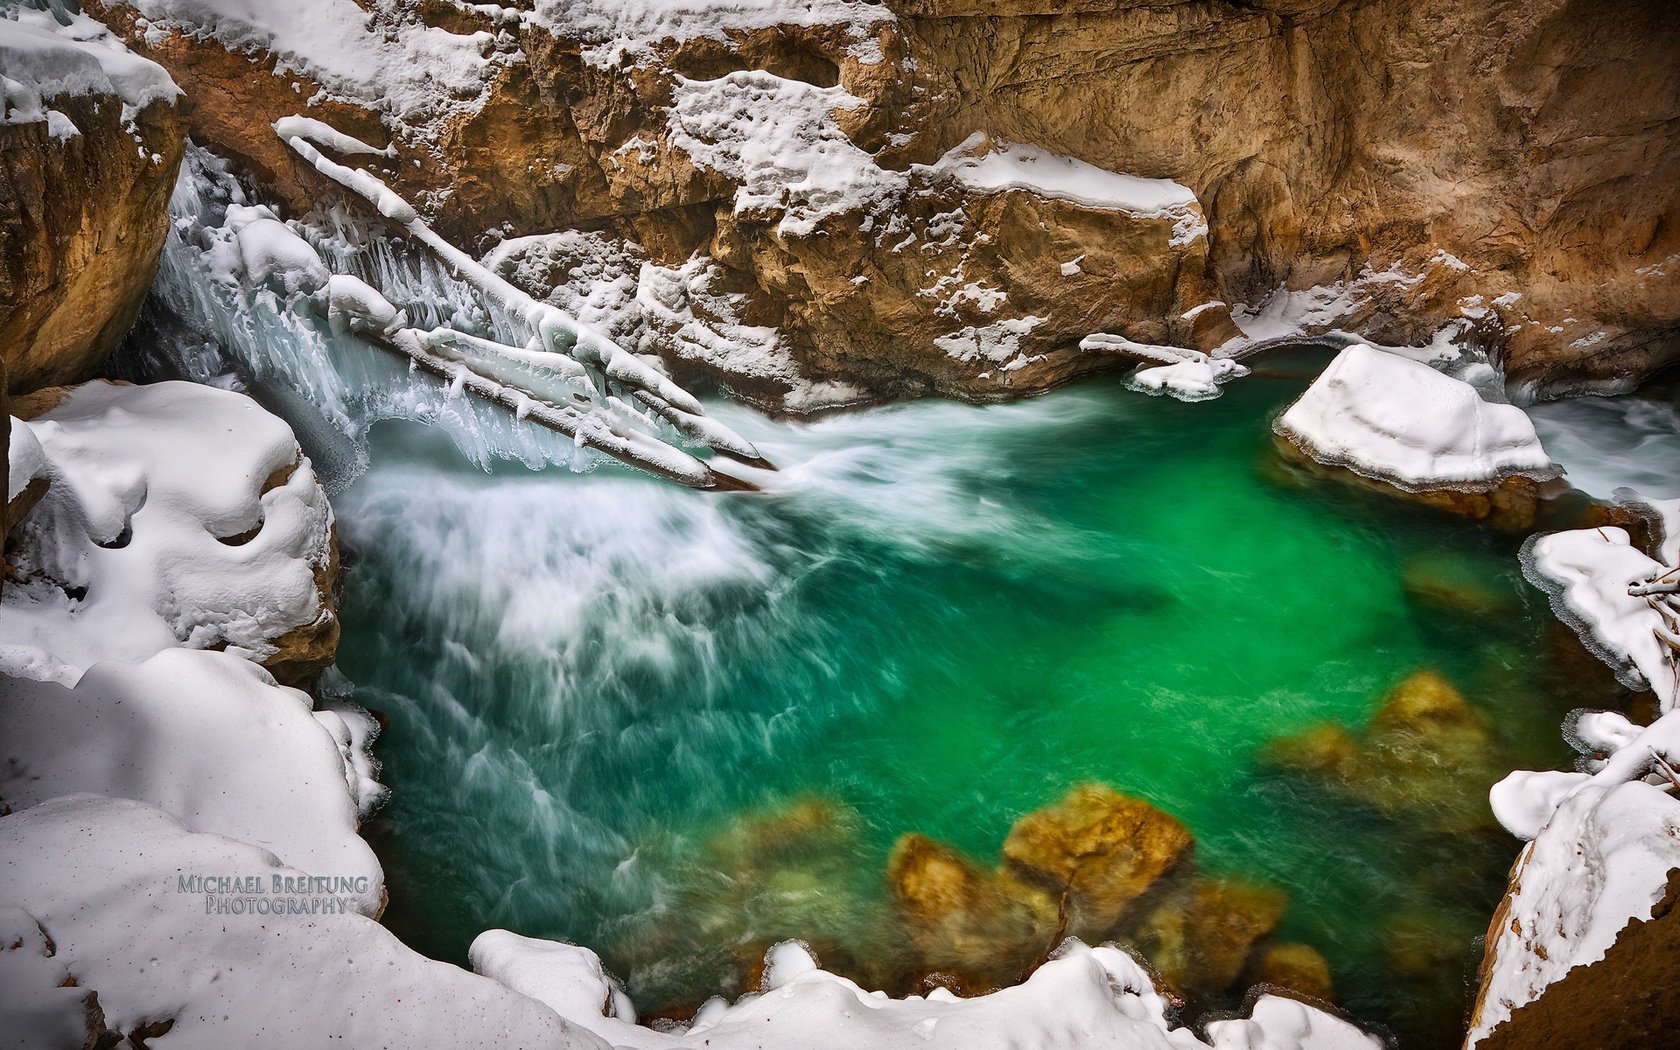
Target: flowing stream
(678,727)
(936,619)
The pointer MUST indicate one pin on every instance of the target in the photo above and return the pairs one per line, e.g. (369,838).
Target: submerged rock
(963,919)
(1454,584)
(1201,935)
(1102,849)
(1427,757)
(1296,967)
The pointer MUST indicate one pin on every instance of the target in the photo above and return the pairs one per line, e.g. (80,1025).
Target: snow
(779,140)
(1400,421)
(325,134)
(41,60)
(1086,997)
(1602,860)
(387,61)
(104,877)
(25,461)
(268,251)
(613,30)
(998,342)
(1188,375)
(207,737)
(1588,573)
(984,166)
(140,542)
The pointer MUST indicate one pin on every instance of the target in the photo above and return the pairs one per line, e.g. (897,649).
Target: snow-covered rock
(1085,997)
(986,167)
(207,737)
(1589,574)
(176,514)
(1179,372)
(1399,421)
(1602,861)
(267,964)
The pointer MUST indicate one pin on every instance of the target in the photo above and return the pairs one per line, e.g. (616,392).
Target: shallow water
(940,616)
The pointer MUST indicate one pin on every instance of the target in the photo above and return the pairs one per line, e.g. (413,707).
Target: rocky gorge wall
(1515,163)
(90,142)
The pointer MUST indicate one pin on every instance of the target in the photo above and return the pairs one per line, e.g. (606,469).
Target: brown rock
(1626,1001)
(1298,968)
(962,920)
(1427,756)
(1512,504)
(1200,937)
(1102,849)
(82,220)
(1462,150)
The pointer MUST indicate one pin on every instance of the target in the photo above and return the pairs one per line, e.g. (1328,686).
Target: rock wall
(1531,142)
(85,177)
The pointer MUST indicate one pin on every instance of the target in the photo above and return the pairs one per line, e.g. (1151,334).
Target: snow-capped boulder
(175,514)
(1410,428)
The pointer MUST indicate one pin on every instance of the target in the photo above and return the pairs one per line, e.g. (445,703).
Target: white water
(1607,443)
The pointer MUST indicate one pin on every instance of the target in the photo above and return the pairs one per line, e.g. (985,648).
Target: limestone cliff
(1509,168)
(90,139)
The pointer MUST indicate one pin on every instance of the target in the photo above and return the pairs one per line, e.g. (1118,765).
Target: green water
(941,616)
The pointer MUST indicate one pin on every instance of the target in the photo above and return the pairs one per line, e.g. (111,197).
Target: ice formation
(271,285)
(1395,420)
(174,514)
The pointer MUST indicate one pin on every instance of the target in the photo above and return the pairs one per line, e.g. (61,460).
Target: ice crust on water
(1400,421)
(156,520)
(1588,573)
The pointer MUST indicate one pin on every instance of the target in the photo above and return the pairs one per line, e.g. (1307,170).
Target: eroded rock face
(1503,169)
(84,193)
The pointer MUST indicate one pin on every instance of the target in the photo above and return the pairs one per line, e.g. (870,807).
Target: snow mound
(1396,420)
(131,925)
(40,60)
(612,30)
(175,514)
(207,737)
(1085,997)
